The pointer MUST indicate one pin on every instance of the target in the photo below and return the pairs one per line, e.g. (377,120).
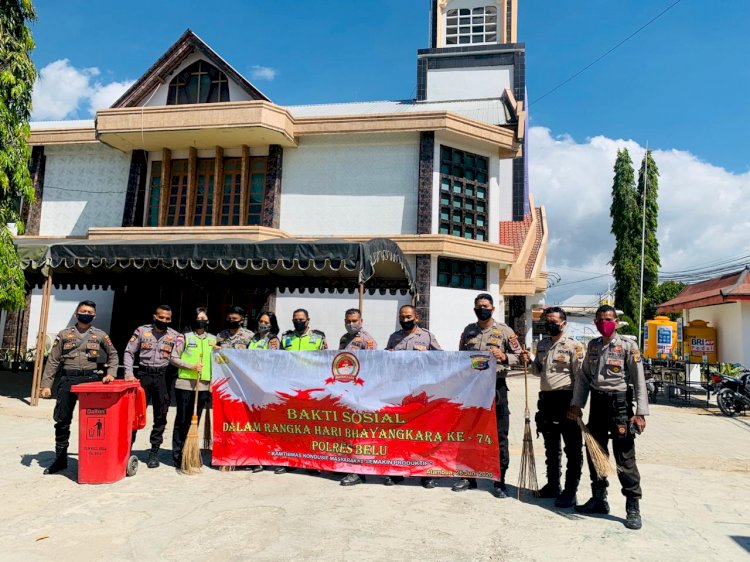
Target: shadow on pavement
(16,385)
(744,542)
(44,459)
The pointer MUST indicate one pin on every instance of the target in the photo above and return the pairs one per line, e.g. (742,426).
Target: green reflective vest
(311,341)
(197,350)
(262,343)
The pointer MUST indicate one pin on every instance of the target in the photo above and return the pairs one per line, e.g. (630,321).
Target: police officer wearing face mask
(355,339)
(154,343)
(78,349)
(267,332)
(234,336)
(558,362)
(302,338)
(486,334)
(613,374)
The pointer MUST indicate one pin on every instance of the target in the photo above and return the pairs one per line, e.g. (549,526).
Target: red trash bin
(107,416)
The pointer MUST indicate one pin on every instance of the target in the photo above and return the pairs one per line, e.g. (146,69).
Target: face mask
(407,325)
(264,328)
(299,325)
(160,324)
(554,329)
(606,327)
(483,313)
(353,328)
(85,318)
(232,324)
(201,324)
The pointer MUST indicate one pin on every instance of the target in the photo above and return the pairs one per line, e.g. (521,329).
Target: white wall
(732,329)
(451,310)
(84,186)
(62,306)
(351,184)
(468,83)
(380,313)
(159,96)
(505,190)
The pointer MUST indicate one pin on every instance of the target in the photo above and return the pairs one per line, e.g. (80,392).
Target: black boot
(597,503)
(566,499)
(153,457)
(60,462)
(632,514)
(392,480)
(550,490)
(428,483)
(499,490)
(464,484)
(352,480)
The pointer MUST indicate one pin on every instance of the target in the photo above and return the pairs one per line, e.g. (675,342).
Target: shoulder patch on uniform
(514,344)
(370,344)
(318,332)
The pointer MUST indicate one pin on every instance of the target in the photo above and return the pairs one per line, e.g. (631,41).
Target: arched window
(465,26)
(198,83)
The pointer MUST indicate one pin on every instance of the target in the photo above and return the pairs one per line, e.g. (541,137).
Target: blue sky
(680,85)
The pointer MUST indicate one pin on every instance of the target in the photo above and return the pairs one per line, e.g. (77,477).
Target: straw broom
(191,452)
(599,457)
(527,473)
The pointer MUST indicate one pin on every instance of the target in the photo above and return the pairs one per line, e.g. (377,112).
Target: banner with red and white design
(404,413)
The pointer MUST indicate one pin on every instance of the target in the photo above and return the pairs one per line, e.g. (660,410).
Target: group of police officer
(611,371)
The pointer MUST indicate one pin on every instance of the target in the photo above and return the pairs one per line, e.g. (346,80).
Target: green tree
(659,294)
(626,256)
(651,261)
(17,75)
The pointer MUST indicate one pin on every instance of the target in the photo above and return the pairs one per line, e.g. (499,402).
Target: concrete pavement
(695,466)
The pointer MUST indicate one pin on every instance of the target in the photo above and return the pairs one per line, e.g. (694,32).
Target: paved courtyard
(695,465)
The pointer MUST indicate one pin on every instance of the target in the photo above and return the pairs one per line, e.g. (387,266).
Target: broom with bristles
(191,452)
(527,473)
(599,457)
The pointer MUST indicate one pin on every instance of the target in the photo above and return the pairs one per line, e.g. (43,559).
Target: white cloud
(263,73)
(63,91)
(704,210)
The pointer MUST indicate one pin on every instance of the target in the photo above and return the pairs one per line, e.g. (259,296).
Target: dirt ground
(694,462)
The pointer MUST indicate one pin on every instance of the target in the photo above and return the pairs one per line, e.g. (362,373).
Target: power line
(592,63)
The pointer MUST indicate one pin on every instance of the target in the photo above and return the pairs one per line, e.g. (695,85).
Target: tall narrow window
(463,194)
(177,202)
(471,26)
(257,190)
(154,195)
(231,194)
(204,193)
(200,82)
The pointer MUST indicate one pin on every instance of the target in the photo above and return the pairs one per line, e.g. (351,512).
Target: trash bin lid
(118,385)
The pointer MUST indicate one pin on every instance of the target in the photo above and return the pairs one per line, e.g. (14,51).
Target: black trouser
(502,411)
(154,384)
(553,423)
(66,403)
(185,401)
(608,410)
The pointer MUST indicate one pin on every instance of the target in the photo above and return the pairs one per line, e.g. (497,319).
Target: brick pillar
(423,289)
(135,197)
(272,200)
(424,188)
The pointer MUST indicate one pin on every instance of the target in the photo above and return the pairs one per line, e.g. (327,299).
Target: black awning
(280,263)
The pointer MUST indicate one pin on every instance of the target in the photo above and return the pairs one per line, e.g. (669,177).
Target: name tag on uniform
(420,347)
(562,358)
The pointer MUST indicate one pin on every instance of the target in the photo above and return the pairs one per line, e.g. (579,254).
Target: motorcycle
(732,393)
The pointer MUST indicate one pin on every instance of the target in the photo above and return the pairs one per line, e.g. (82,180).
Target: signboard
(702,345)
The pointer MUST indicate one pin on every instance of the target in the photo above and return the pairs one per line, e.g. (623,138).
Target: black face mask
(160,324)
(232,324)
(407,325)
(299,325)
(85,318)
(554,329)
(483,313)
(201,324)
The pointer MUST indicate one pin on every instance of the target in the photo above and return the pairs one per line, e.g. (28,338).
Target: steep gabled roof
(159,72)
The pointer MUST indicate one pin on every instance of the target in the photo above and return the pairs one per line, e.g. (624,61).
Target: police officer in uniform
(193,361)
(267,332)
(354,339)
(234,336)
(411,338)
(486,334)
(302,338)
(558,362)
(613,374)
(154,344)
(79,349)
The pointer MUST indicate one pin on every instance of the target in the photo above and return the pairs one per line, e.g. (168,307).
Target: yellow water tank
(700,341)
(660,338)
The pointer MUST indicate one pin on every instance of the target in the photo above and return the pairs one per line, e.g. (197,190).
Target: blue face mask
(85,318)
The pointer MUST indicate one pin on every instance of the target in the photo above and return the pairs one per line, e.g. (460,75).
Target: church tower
(474,55)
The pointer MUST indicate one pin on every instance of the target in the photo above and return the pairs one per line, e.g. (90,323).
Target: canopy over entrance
(322,265)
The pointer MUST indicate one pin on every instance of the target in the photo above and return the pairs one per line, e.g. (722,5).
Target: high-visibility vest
(311,341)
(262,343)
(197,350)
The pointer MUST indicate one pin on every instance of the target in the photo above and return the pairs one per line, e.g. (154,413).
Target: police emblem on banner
(480,362)
(345,368)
